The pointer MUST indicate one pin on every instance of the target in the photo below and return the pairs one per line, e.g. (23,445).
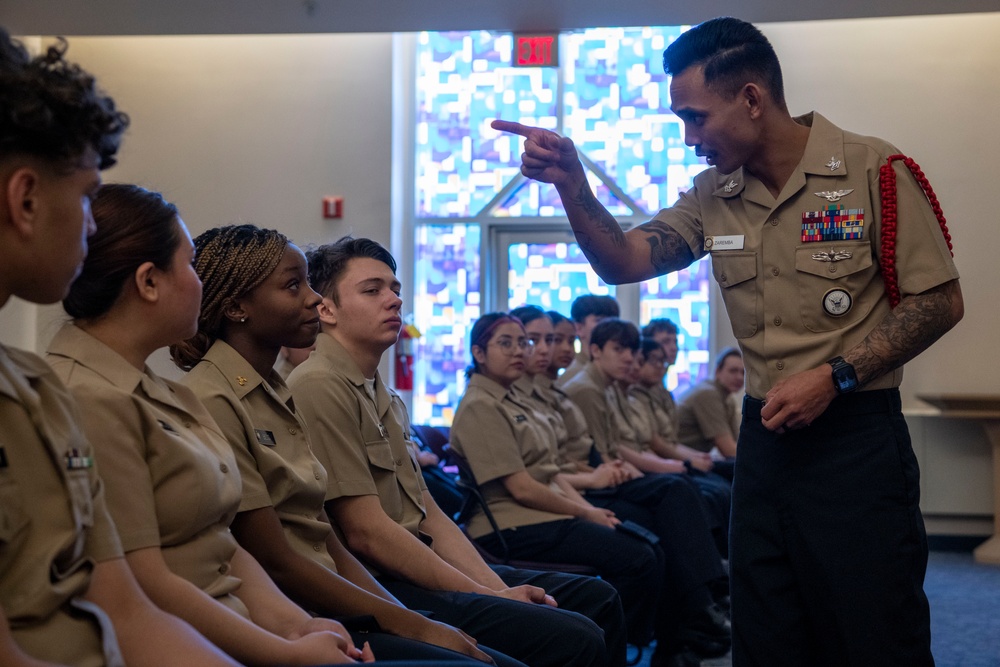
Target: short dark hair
(593,304)
(732,53)
(658,325)
(134,226)
(622,332)
(557,317)
(328,262)
(647,346)
(51,109)
(725,354)
(529,314)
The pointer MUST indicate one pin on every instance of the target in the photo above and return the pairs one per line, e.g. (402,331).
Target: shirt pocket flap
(832,262)
(379,454)
(732,268)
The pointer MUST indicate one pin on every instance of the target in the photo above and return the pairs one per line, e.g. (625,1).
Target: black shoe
(707,632)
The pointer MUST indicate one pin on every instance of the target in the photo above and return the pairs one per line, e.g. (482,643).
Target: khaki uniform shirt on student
(588,391)
(634,431)
(359,441)
(271,446)
(171,478)
(656,404)
(580,362)
(53,521)
(575,448)
(704,414)
(500,434)
(795,302)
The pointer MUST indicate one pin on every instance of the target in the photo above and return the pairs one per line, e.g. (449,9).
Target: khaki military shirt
(634,430)
(705,413)
(53,521)
(499,434)
(172,480)
(657,405)
(271,446)
(360,442)
(580,363)
(589,391)
(576,446)
(797,298)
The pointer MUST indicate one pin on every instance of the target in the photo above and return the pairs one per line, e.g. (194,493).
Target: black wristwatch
(844,377)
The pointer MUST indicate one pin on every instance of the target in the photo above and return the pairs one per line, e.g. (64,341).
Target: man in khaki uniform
(826,481)
(706,415)
(65,591)
(377,498)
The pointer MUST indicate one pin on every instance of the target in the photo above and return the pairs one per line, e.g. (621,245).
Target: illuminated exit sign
(536,50)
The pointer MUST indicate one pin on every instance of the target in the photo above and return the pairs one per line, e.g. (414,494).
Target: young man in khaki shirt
(381,506)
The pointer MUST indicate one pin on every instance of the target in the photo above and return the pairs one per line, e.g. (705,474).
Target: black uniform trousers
(671,506)
(828,549)
(587,630)
(630,564)
(402,651)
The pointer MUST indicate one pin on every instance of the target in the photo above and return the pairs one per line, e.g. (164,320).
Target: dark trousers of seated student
(587,630)
(717,492)
(828,549)
(631,565)
(672,507)
(392,647)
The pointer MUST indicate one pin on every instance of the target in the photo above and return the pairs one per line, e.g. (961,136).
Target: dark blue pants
(828,549)
(587,630)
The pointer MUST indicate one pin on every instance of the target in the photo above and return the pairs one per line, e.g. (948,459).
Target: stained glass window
(612,97)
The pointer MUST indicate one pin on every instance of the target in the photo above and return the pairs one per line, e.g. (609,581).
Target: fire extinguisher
(404,357)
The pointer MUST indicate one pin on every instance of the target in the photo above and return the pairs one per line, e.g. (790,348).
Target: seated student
(668,504)
(66,594)
(647,398)
(171,480)
(706,418)
(289,358)
(256,299)
(587,312)
(509,449)
(377,500)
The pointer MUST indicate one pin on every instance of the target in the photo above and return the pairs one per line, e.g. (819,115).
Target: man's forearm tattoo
(907,331)
(668,251)
(603,220)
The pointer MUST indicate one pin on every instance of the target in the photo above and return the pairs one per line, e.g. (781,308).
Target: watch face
(837,302)
(845,382)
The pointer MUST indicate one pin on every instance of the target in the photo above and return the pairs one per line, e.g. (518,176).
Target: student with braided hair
(255,299)
(828,550)
(171,481)
(67,595)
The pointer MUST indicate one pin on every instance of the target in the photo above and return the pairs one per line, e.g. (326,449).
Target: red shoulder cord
(887,186)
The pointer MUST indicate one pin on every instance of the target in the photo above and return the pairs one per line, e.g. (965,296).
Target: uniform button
(722,278)
(777,321)
(833,268)
(317,547)
(775,271)
(398,462)
(224,568)
(292,431)
(780,365)
(317,475)
(223,467)
(774,222)
(187,424)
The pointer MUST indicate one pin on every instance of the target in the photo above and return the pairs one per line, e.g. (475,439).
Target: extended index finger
(512,127)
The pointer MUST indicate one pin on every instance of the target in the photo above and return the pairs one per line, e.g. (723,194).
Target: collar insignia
(242,380)
(730,186)
(833,195)
(833,164)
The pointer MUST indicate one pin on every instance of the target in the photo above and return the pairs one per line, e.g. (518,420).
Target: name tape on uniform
(717,243)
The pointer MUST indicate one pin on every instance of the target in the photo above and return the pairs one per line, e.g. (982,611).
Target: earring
(243,319)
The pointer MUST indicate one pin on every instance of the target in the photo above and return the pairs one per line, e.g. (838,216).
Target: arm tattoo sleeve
(668,251)
(911,328)
(603,221)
